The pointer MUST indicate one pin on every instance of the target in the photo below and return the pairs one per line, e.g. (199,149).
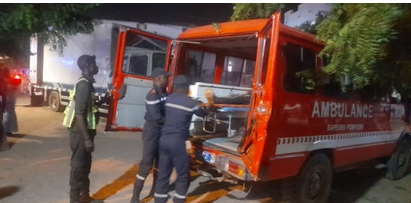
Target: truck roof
(244,27)
(226,29)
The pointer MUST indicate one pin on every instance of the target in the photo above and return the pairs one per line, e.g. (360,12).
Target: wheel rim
(314,185)
(54,102)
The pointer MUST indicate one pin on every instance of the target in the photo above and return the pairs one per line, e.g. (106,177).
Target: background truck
(52,76)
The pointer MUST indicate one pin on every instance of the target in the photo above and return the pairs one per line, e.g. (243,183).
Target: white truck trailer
(52,76)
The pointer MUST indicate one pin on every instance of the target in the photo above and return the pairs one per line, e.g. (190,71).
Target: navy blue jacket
(155,106)
(179,111)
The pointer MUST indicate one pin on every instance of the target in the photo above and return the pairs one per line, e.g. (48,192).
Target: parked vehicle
(273,122)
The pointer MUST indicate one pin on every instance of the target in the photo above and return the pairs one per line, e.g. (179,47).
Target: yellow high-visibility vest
(70,110)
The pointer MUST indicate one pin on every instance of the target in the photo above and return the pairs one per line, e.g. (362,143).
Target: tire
(54,102)
(312,185)
(399,163)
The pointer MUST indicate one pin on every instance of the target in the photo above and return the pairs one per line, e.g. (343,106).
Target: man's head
(160,77)
(87,64)
(181,84)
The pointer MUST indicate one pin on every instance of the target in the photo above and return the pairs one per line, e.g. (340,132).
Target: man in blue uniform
(175,133)
(155,101)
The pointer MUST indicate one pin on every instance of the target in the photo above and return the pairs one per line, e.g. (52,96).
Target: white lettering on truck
(341,110)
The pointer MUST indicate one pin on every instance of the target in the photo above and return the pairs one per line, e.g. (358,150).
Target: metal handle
(207,118)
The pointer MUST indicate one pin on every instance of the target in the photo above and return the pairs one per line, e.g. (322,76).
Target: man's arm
(153,103)
(83,94)
(199,111)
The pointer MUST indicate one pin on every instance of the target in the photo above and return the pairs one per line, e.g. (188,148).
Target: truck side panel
(348,129)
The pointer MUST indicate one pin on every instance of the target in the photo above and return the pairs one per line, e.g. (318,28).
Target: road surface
(36,170)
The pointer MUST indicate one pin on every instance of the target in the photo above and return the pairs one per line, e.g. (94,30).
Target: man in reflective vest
(174,135)
(81,120)
(155,101)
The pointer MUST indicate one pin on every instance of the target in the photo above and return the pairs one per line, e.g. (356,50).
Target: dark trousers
(173,153)
(4,145)
(80,167)
(151,136)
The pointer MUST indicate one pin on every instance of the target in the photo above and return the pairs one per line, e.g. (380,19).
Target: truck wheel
(399,163)
(54,102)
(312,185)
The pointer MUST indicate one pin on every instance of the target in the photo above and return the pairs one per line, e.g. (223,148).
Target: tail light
(16,79)
(235,169)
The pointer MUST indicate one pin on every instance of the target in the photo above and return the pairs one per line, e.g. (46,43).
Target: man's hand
(89,145)
(212,108)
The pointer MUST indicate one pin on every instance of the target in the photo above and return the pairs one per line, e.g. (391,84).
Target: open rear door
(138,53)
(253,146)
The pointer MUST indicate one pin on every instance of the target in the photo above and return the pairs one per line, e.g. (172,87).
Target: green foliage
(312,27)
(244,11)
(370,44)
(217,27)
(52,22)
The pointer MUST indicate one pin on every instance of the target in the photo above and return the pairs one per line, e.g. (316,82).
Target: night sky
(162,13)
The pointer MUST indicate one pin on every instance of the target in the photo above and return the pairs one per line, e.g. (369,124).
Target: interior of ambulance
(222,72)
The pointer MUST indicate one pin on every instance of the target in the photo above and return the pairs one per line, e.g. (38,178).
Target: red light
(16,79)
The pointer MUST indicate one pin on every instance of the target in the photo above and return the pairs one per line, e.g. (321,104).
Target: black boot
(85,189)
(153,188)
(85,198)
(74,197)
(138,187)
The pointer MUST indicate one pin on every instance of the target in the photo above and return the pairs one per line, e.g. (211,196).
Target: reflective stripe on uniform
(152,102)
(179,196)
(156,101)
(140,177)
(160,195)
(176,106)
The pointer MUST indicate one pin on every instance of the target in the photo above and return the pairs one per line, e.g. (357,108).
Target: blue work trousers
(173,154)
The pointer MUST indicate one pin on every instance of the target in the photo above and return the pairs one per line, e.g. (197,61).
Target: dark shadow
(171,187)
(26,105)
(8,191)
(350,186)
(98,201)
(121,182)
(217,190)
(18,136)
